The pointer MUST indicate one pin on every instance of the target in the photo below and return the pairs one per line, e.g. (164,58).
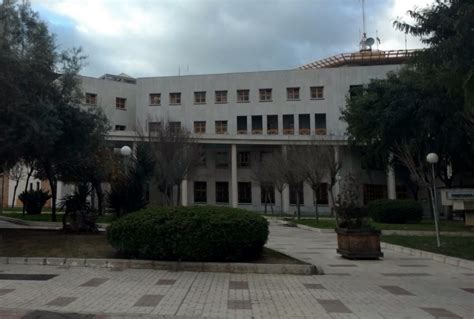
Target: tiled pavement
(399,286)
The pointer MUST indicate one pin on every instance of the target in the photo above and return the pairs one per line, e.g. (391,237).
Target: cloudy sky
(164,37)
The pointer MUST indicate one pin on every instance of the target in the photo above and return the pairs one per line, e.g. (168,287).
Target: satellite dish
(370,42)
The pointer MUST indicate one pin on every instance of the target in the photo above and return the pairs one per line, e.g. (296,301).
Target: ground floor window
(373,192)
(294,191)
(200,192)
(267,194)
(245,192)
(222,192)
(322,194)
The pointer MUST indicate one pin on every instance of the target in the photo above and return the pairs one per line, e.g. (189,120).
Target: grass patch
(461,247)
(52,243)
(107,218)
(424,225)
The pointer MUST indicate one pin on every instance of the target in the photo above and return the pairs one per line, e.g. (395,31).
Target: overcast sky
(161,37)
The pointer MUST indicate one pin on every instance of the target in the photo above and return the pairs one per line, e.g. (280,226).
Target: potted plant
(356,238)
(34,200)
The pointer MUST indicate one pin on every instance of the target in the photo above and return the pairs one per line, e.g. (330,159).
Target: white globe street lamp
(126,152)
(432,158)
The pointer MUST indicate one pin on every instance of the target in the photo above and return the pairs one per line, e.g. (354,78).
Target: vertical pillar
(391,183)
(233,179)
(184,192)
(286,189)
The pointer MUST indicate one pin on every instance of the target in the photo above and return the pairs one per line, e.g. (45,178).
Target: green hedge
(200,233)
(392,211)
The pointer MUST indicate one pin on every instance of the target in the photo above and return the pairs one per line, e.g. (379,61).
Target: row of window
(288,121)
(220,97)
(244,193)
(243,96)
(267,195)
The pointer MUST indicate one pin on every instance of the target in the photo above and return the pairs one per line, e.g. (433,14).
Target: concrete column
(233,179)
(286,189)
(184,192)
(391,183)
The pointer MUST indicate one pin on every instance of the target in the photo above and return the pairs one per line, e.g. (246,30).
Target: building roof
(364,57)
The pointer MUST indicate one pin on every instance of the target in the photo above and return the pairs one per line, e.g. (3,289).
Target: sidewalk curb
(453,261)
(243,268)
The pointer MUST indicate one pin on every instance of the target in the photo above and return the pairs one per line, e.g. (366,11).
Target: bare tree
(16,173)
(274,170)
(176,154)
(315,166)
(294,173)
(334,167)
(262,173)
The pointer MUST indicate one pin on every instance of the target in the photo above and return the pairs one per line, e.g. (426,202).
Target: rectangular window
(200,192)
(304,125)
(257,124)
(267,194)
(288,124)
(91,98)
(120,103)
(296,190)
(221,127)
(120,127)
(243,159)
(154,126)
(272,124)
(265,95)
(241,125)
(243,96)
(292,94)
(373,192)
(322,194)
(199,97)
(244,192)
(317,92)
(202,158)
(221,96)
(199,127)
(222,192)
(356,90)
(175,126)
(222,159)
(155,99)
(320,123)
(175,98)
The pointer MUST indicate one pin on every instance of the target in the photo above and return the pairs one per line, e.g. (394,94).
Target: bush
(34,200)
(199,233)
(392,211)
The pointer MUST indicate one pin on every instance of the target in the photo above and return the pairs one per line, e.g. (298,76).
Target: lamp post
(126,152)
(432,158)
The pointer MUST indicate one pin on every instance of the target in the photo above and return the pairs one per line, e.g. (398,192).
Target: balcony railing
(257,132)
(241,131)
(272,131)
(288,131)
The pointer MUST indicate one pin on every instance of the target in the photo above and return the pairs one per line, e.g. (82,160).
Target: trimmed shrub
(199,233)
(392,211)
(34,200)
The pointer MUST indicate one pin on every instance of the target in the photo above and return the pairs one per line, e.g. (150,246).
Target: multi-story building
(240,117)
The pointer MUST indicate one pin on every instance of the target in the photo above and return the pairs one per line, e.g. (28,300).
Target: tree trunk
(271,203)
(26,186)
(14,192)
(100,198)
(281,203)
(54,186)
(178,196)
(316,206)
(265,201)
(298,205)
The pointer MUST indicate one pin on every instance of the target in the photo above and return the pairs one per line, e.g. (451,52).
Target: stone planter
(358,244)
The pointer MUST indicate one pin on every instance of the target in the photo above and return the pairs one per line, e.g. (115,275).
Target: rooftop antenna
(406,47)
(365,43)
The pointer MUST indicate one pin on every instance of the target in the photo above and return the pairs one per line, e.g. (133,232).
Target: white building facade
(239,117)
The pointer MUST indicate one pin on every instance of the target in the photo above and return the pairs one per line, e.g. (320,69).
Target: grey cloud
(213,36)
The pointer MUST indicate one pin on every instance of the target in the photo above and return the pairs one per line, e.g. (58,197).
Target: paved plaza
(399,286)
